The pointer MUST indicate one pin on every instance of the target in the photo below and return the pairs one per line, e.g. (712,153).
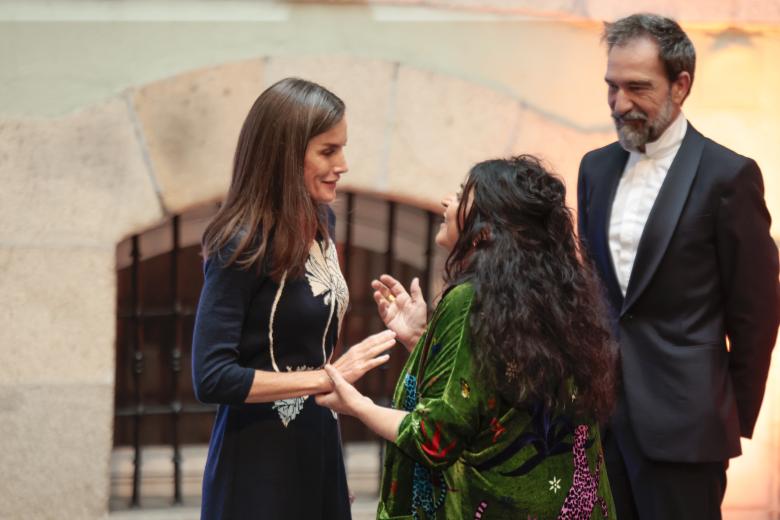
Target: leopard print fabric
(583,495)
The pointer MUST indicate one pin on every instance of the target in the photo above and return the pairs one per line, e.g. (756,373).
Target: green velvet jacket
(465,453)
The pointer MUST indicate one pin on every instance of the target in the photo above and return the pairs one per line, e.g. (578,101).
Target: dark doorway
(159,280)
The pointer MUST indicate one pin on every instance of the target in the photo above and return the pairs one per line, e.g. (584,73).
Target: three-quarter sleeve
(446,416)
(224,302)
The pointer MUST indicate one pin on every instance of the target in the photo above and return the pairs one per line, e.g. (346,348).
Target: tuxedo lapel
(664,215)
(601,210)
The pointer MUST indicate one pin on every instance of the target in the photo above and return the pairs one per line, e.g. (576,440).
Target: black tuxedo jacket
(706,270)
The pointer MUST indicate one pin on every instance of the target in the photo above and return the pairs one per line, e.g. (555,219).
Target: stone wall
(740,11)
(75,184)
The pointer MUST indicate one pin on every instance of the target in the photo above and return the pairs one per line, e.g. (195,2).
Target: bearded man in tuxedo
(679,232)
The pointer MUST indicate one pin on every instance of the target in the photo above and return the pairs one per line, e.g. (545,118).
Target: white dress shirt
(639,186)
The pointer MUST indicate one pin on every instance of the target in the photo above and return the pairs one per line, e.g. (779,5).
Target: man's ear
(681,87)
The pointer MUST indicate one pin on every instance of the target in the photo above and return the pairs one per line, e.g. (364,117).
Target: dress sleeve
(446,416)
(224,301)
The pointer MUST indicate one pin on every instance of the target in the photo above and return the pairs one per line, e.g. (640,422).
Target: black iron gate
(159,279)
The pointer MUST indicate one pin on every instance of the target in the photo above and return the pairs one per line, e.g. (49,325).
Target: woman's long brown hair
(268,217)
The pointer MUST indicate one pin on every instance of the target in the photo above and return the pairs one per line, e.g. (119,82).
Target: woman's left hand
(402,311)
(345,398)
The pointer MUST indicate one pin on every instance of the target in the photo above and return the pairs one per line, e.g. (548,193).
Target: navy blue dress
(278,460)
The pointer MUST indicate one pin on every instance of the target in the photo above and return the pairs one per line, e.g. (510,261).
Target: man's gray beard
(633,139)
(636,139)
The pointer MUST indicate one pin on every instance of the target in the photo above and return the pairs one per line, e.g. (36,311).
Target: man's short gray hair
(674,47)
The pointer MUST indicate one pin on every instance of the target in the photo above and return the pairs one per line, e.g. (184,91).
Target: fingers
(377,361)
(383,290)
(373,345)
(381,302)
(362,369)
(360,358)
(390,282)
(383,347)
(387,283)
(415,290)
(379,348)
(378,338)
(376,284)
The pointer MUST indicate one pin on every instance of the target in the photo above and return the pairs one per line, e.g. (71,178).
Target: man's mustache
(629,116)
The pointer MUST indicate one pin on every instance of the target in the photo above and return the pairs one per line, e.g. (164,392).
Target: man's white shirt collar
(668,142)
(643,175)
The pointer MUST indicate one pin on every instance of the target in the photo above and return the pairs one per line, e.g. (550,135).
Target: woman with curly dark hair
(495,414)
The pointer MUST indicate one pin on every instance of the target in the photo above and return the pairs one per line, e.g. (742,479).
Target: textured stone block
(191,124)
(729,71)
(56,451)
(442,127)
(57,321)
(700,10)
(367,87)
(762,11)
(78,179)
(765,11)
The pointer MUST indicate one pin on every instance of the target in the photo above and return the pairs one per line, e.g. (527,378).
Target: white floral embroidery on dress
(325,278)
(288,409)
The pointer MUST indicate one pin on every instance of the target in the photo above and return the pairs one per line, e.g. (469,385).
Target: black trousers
(657,490)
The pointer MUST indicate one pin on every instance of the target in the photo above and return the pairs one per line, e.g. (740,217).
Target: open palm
(404,312)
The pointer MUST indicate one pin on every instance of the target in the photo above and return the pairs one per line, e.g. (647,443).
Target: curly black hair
(537,319)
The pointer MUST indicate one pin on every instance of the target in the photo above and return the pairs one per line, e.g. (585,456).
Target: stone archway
(76,185)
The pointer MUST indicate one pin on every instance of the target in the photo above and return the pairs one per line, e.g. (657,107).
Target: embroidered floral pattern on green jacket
(465,453)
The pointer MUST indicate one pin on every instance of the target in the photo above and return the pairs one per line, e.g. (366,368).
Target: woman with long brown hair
(269,316)
(495,413)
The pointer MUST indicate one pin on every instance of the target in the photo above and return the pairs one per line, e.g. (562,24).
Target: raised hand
(365,356)
(403,312)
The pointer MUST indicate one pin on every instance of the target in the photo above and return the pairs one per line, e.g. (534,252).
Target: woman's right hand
(365,356)
(403,312)
(345,398)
